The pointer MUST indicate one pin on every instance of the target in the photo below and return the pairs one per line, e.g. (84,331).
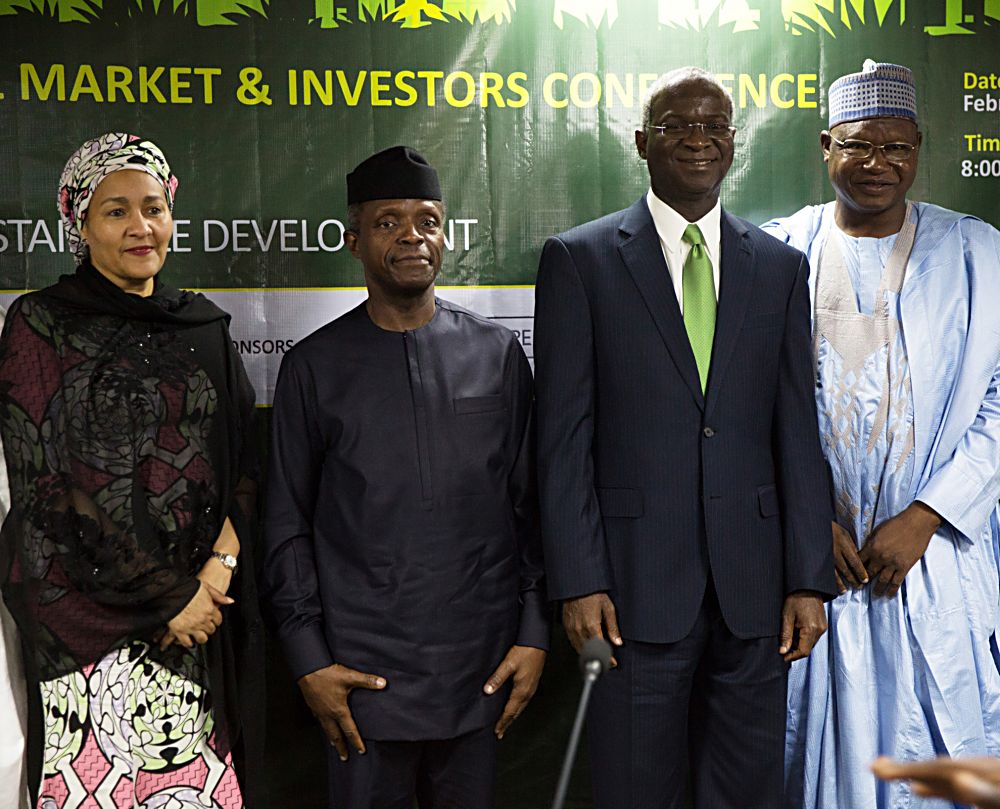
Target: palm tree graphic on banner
(800,16)
(420,13)
(207,12)
(590,12)
(696,15)
(417,13)
(496,10)
(960,17)
(810,15)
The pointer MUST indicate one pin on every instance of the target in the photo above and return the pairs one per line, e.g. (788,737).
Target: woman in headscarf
(126,416)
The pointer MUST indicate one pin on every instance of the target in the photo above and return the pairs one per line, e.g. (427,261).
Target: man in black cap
(403,566)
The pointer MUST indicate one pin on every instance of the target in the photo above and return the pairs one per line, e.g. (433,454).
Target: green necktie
(699,301)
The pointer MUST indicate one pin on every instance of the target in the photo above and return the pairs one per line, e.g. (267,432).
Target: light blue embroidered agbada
(907,411)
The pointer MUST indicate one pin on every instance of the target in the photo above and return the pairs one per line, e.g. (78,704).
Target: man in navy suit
(685,502)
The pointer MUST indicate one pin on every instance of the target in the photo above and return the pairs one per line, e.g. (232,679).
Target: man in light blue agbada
(905,298)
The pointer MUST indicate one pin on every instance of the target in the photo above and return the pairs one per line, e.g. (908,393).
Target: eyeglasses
(862,150)
(716,131)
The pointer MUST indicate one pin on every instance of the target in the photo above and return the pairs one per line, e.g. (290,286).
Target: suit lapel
(736,280)
(643,257)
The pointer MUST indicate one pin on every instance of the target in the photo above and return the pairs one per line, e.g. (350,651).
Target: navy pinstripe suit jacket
(646,484)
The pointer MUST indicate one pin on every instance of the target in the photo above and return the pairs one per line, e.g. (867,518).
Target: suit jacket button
(708,432)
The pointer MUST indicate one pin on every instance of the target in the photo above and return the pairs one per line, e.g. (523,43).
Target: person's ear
(825,142)
(640,142)
(351,240)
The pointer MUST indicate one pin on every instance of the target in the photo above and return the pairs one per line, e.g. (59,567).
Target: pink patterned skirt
(129,733)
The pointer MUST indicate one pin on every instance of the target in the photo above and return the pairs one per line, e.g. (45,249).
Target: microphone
(595,659)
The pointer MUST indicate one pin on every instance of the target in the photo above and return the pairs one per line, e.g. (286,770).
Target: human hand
(896,545)
(850,572)
(216,574)
(213,571)
(326,691)
(587,617)
(524,664)
(199,618)
(961,780)
(803,622)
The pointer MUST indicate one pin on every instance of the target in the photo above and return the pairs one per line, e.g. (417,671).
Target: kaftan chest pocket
(471,405)
(477,438)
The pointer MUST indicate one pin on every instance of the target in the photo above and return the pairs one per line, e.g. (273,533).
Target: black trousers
(457,773)
(708,711)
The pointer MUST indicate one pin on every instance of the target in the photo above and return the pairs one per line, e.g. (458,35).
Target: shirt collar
(670,225)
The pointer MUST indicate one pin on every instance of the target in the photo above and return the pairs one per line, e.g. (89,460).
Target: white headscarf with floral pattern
(94,161)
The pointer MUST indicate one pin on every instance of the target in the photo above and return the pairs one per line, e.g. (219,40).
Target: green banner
(528,110)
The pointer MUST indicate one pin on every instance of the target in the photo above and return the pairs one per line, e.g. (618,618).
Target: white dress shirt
(670,227)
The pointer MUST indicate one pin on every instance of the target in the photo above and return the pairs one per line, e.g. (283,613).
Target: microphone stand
(592,670)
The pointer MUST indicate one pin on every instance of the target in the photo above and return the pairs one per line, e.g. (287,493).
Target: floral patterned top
(127,426)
